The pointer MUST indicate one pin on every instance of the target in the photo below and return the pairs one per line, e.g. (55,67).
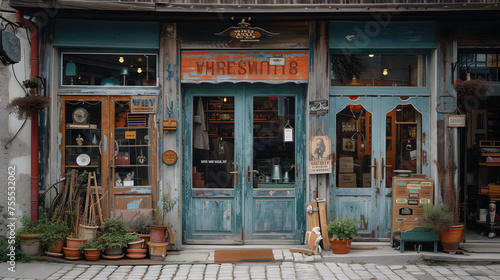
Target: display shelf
(85,166)
(489,163)
(490,154)
(82,146)
(132,127)
(133,165)
(131,146)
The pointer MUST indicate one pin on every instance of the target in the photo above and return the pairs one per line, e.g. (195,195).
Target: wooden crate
(137,120)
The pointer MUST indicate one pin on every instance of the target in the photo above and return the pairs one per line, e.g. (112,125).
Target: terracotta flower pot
(88,232)
(137,251)
(30,244)
(91,254)
(146,240)
(113,251)
(136,244)
(72,253)
(340,246)
(157,234)
(157,250)
(75,242)
(451,238)
(58,247)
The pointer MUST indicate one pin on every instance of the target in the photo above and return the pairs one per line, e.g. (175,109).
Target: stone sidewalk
(253,271)
(375,261)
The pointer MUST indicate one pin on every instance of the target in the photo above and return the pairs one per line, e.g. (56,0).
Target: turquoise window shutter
(106,34)
(384,35)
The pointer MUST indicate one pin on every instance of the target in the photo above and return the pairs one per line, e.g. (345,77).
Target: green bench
(418,234)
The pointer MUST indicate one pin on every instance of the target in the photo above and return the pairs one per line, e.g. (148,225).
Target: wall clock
(80,116)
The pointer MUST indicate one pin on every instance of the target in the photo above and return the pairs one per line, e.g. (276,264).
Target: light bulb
(139,70)
(385,72)
(121,60)
(371,55)
(225,99)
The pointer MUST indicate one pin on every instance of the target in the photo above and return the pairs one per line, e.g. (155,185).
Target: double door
(243,164)
(376,138)
(103,136)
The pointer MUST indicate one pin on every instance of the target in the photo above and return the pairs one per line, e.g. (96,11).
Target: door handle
(251,171)
(375,172)
(384,166)
(237,177)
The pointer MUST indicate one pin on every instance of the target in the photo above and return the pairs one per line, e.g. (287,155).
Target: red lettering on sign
(202,66)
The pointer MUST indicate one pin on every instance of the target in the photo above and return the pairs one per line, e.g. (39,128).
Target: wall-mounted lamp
(371,55)
(385,72)
(139,70)
(121,60)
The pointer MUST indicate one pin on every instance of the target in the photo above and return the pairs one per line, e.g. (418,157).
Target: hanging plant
(31,83)
(24,107)
(470,89)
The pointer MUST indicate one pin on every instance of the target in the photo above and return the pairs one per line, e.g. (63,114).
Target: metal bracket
(445,109)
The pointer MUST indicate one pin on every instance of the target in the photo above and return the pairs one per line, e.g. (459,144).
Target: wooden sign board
(409,195)
(146,104)
(244,66)
(456,121)
(169,157)
(318,108)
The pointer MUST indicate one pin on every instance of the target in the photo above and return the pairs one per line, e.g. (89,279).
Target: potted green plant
(437,217)
(53,232)
(23,107)
(141,226)
(451,235)
(341,232)
(165,205)
(468,89)
(92,250)
(114,238)
(29,235)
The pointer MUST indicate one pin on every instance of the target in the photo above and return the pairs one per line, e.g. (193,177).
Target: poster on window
(320,161)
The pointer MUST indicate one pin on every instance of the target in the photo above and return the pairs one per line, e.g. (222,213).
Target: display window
(109,69)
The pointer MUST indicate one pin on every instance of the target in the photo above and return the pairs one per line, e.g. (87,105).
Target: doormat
(234,256)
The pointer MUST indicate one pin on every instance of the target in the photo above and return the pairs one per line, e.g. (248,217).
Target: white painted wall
(17,152)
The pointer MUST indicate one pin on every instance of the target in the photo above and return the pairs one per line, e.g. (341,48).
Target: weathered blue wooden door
(374,137)
(242,180)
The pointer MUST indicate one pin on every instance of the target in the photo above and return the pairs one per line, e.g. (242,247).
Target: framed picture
(320,147)
(348,145)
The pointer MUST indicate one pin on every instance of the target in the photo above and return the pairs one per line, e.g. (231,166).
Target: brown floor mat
(234,256)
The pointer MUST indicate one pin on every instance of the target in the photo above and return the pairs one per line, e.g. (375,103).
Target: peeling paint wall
(17,152)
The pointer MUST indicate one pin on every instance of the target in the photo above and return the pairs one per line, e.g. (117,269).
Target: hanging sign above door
(238,66)
(318,108)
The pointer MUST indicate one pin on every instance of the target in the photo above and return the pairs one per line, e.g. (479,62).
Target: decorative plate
(83,160)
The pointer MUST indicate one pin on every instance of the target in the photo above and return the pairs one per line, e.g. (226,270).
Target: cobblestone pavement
(285,271)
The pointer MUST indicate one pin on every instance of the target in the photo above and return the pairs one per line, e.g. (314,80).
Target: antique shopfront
(380,120)
(243,152)
(108,102)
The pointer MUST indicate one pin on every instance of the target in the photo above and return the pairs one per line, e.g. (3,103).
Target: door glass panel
(83,135)
(354,147)
(273,142)
(132,147)
(213,142)
(403,144)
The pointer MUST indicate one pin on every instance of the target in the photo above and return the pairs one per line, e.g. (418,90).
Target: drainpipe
(34,117)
